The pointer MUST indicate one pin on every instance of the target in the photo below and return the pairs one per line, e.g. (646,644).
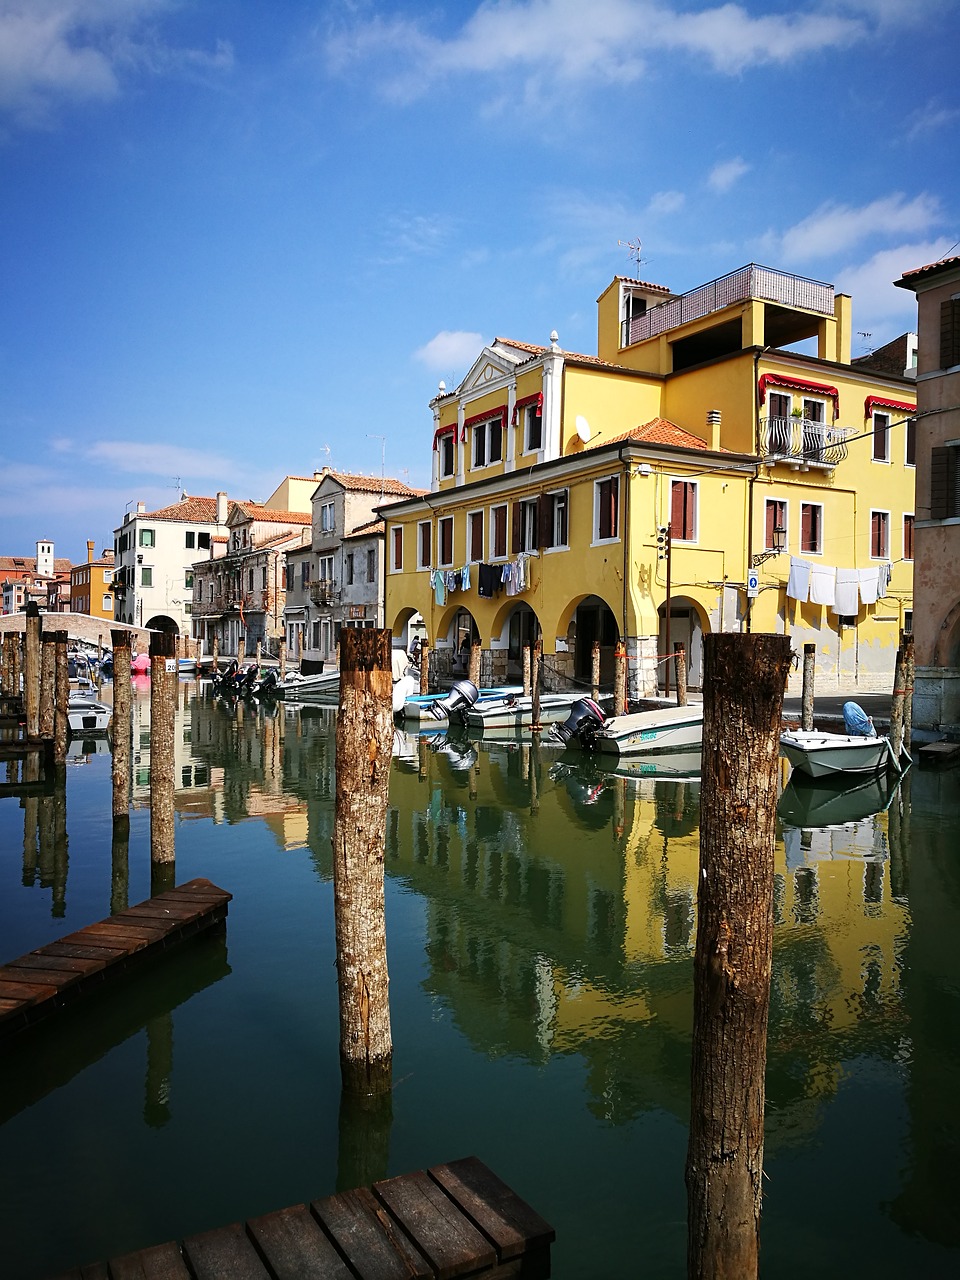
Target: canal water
(541,924)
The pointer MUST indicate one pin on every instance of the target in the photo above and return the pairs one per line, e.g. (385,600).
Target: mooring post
(259,655)
(58,902)
(424,666)
(215,657)
(17,667)
(809,674)
(475,663)
(527,664)
(363,1150)
(909,671)
(680,662)
(283,657)
(61,699)
(620,679)
(896,706)
(122,724)
(595,670)
(31,669)
(163,703)
(363,752)
(744,681)
(535,777)
(6,658)
(535,671)
(48,683)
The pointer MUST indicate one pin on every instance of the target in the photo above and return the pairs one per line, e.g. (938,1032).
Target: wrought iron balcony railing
(802,443)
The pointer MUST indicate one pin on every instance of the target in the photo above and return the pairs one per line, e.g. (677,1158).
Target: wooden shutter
(949,333)
(544,520)
(682,502)
(943,482)
(517,535)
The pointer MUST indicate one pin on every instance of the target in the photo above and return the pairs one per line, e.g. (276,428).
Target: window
(371,565)
(880,535)
(325,564)
(263,577)
(445,540)
(288,572)
(446,448)
(146,577)
(188,608)
(910,445)
(348,568)
(683,510)
(908,620)
(203,541)
(811,528)
(107,576)
(198,591)
(424,544)
(908,537)
(327,517)
(188,579)
(532,428)
(147,538)
(950,332)
(190,538)
(250,580)
(558,513)
(606,504)
(525,525)
(498,532)
(881,437)
(814,432)
(396,548)
(106,603)
(944,483)
(475,536)
(488,442)
(775,517)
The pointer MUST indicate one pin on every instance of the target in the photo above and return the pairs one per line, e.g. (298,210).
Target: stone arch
(515,625)
(946,651)
(162,622)
(688,624)
(407,626)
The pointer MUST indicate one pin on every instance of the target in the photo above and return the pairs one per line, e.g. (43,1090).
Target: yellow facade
(565,466)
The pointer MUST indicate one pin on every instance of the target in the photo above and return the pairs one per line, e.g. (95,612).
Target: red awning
(798,384)
(536,398)
(873,402)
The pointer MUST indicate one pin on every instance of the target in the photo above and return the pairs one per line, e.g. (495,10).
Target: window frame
(499,516)
(424,527)
(328,516)
(531,416)
(475,523)
(484,434)
(906,534)
(559,519)
(689,525)
(445,533)
(880,443)
(396,549)
(804,548)
(879,534)
(768,526)
(447,460)
(147,538)
(600,538)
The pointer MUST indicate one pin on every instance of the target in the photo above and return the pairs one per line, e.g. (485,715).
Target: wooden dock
(47,980)
(456,1219)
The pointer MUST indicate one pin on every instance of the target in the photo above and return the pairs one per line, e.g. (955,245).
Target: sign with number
(753,583)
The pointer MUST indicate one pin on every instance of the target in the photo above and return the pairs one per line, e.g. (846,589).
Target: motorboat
(826,755)
(515,711)
(86,716)
(666,728)
(320,686)
(421,706)
(834,801)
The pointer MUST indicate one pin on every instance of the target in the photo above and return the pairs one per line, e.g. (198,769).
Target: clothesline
(513,577)
(841,590)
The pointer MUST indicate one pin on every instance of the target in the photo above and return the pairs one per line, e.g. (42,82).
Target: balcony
(802,444)
(762,283)
(324,591)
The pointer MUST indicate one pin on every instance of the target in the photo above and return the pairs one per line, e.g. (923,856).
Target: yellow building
(91,585)
(702,473)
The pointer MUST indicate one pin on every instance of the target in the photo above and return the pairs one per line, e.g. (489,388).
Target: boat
(834,801)
(666,728)
(321,686)
(86,717)
(825,755)
(516,711)
(425,706)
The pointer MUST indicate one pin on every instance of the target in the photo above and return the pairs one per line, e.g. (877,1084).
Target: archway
(595,620)
(686,627)
(162,622)
(518,628)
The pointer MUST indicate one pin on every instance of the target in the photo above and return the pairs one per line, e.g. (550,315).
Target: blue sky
(245,238)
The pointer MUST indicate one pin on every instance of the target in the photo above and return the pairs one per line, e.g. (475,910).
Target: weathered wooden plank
(224,1254)
(161,1262)
(163,911)
(296,1247)
(59,978)
(495,1208)
(368,1237)
(69,949)
(449,1241)
(41,959)
(24,992)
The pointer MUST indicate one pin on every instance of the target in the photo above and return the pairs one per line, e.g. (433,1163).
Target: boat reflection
(835,801)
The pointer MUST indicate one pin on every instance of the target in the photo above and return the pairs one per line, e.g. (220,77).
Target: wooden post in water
(424,667)
(809,673)
(595,670)
(475,663)
(620,679)
(283,657)
(6,660)
(535,666)
(31,669)
(17,663)
(680,661)
(363,752)
(909,671)
(48,683)
(163,703)
(61,699)
(896,706)
(527,665)
(216,654)
(259,654)
(744,681)
(122,719)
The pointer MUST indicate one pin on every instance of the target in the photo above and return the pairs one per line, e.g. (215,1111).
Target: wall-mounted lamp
(779,546)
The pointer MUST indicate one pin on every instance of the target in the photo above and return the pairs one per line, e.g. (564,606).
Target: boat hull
(517,713)
(87,718)
(666,729)
(418,706)
(827,755)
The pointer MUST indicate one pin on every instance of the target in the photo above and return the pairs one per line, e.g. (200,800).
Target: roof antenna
(634,250)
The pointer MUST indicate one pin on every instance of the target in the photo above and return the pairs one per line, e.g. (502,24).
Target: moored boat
(87,717)
(420,706)
(824,755)
(662,729)
(516,711)
(321,686)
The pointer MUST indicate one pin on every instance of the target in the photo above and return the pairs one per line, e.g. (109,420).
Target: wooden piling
(6,664)
(809,673)
(475,663)
(163,700)
(363,753)
(216,654)
(61,699)
(283,658)
(620,679)
(595,670)
(909,670)
(680,662)
(48,682)
(896,704)
(424,667)
(122,721)
(259,654)
(535,672)
(526,671)
(744,681)
(17,663)
(31,669)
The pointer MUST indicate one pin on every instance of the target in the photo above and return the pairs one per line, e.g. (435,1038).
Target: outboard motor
(584,720)
(247,678)
(856,721)
(457,702)
(267,688)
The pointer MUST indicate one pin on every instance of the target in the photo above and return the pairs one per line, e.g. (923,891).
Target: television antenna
(634,250)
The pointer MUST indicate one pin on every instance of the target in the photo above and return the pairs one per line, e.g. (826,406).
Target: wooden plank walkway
(456,1219)
(46,980)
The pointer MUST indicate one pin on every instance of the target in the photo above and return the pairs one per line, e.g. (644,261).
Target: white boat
(516,711)
(823,755)
(668,728)
(321,686)
(86,717)
(418,706)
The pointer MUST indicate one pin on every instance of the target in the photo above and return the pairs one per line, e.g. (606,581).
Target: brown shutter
(517,516)
(949,333)
(943,482)
(544,520)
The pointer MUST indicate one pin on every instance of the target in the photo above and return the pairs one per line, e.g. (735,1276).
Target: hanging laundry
(847,602)
(823,584)
(509,578)
(798,583)
(439,586)
(465,578)
(488,578)
(884,574)
(869,584)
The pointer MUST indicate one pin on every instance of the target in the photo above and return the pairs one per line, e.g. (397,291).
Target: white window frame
(447,450)
(784,502)
(473,518)
(492,544)
(529,527)
(396,548)
(555,495)
(328,517)
(806,551)
(483,441)
(597,540)
(674,535)
(325,569)
(879,413)
(530,417)
(885,553)
(421,562)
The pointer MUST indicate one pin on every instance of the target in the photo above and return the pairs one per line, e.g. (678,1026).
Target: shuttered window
(683,510)
(475,536)
(608,508)
(880,535)
(811,527)
(908,537)
(949,333)
(445,537)
(498,532)
(944,483)
(776,518)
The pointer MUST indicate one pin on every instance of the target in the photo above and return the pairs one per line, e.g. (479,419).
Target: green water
(541,923)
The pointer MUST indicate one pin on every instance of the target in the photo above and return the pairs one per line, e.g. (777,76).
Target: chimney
(221,507)
(714,418)
(140,508)
(90,546)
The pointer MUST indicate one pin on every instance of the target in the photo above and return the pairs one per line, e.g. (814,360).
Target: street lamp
(779,546)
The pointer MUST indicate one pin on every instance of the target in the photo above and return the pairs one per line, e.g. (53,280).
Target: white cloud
(664,203)
(878,306)
(58,51)
(723,176)
(450,349)
(142,457)
(835,228)
(928,119)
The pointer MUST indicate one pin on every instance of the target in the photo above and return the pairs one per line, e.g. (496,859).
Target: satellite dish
(583,428)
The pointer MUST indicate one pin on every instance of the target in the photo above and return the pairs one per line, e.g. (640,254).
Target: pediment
(487,370)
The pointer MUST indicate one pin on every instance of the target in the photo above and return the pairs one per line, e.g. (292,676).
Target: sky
(241,239)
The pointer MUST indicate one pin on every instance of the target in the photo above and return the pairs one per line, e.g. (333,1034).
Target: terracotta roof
(375,484)
(657,431)
(644,284)
(945,264)
(28,564)
(365,530)
(256,512)
(539,351)
(194,510)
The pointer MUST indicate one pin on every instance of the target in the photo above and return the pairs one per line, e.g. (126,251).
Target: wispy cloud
(726,174)
(878,304)
(450,349)
(54,52)
(547,45)
(930,118)
(836,228)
